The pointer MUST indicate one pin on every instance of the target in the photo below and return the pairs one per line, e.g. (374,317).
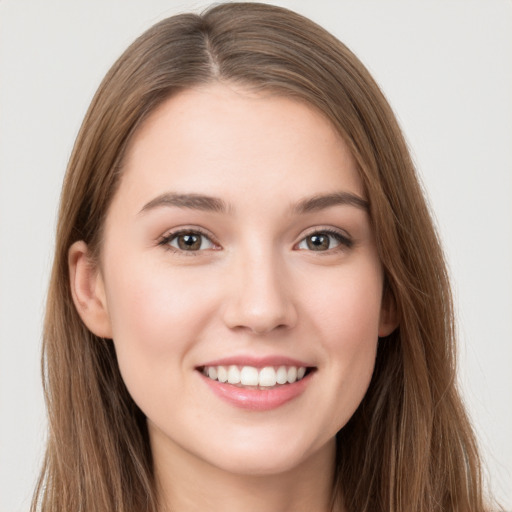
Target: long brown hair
(409,446)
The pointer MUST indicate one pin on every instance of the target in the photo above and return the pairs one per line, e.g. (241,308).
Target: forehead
(229,142)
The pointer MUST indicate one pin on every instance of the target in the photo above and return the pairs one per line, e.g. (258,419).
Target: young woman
(249,306)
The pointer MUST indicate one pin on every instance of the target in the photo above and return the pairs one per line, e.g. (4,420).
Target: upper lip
(257,362)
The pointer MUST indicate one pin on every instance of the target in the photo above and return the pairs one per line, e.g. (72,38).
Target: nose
(259,296)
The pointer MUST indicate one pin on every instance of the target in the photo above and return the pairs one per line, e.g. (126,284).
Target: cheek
(354,329)
(346,307)
(346,316)
(154,306)
(156,315)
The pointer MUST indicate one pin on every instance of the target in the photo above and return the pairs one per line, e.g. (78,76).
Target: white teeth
(222,374)
(292,374)
(249,376)
(282,375)
(266,377)
(233,375)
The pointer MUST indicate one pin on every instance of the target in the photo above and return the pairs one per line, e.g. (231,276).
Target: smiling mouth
(251,377)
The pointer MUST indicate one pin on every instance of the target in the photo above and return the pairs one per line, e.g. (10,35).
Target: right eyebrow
(192,201)
(323,201)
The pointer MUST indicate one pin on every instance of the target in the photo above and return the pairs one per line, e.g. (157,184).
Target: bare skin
(302,489)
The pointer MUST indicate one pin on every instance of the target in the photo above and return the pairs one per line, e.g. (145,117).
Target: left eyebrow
(322,201)
(191,201)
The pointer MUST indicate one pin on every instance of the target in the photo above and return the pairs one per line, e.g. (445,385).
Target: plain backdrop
(446,68)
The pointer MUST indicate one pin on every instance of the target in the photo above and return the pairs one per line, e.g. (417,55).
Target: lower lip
(257,399)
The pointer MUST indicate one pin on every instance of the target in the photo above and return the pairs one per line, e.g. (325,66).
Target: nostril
(259,302)
(265,329)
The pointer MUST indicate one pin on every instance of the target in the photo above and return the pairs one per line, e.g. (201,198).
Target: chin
(261,466)
(265,459)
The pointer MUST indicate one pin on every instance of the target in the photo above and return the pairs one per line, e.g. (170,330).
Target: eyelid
(345,240)
(165,239)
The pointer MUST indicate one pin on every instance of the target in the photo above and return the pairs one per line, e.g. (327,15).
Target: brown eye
(190,241)
(319,242)
(322,241)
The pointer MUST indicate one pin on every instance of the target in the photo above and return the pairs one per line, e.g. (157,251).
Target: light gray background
(446,67)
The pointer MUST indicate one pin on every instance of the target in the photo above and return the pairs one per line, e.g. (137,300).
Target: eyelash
(344,241)
(166,240)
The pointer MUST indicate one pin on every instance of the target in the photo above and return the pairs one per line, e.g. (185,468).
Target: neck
(186,483)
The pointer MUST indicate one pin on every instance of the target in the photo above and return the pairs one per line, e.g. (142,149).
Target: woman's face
(239,246)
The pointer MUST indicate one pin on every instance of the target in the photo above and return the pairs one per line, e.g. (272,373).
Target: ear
(88,290)
(388,320)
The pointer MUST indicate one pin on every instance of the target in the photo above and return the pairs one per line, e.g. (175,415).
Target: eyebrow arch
(193,201)
(215,204)
(322,201)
